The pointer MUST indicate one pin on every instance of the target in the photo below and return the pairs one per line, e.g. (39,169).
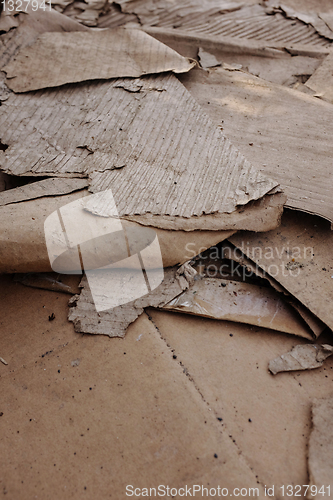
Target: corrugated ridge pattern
(156,149)
(251,23)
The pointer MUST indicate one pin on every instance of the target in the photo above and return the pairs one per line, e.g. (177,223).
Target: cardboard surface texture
(285,133)
(134,53)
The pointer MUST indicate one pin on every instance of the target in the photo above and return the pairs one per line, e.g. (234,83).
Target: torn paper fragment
(322,79)
(58,58)
(301,357)
(115,321)
(207,60)
(160,175)
(320,463)
(239,302)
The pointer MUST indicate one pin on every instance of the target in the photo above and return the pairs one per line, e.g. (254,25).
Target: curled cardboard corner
(301,357)
(92,55)
(114,322)
(320,463)
(239,302)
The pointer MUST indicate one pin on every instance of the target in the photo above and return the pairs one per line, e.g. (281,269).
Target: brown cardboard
(82,419)
(299,256)
(208,179)
(22,240)
(228,364)
(284,132)
(239,302)
(86,56)
(114,322)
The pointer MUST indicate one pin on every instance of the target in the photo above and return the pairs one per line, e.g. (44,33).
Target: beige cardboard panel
(23,247)
(46,187)
(320,448)
(322,79)
(58,58)
(301,357)
(88,318)
(239,302)
(285,133)
(228,363)
(31,25)
(142,423)
(299,256)
(143,156)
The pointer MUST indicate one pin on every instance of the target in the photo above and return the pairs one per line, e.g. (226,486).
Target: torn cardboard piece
(284,132)
(234,254)
(239,302)
(322,79)
(55,59)
(114,322)
(30,25)
(320,448)
(142,156)
(299,256)
(215,20)
(207,60)
(22,240)
(246,270)
(301,357)
(39,189)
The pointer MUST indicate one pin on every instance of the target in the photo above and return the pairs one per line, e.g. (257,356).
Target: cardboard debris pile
(169,166)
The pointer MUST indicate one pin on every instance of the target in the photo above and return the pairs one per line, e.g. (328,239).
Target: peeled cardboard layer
(261,215)
(322,79)
(285,133)
(320,448)
(46,187)
(227,19)
(87,56)
(142,155)
(301,357)
(299,256)
(239,302)
(114,322)
(22,240)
